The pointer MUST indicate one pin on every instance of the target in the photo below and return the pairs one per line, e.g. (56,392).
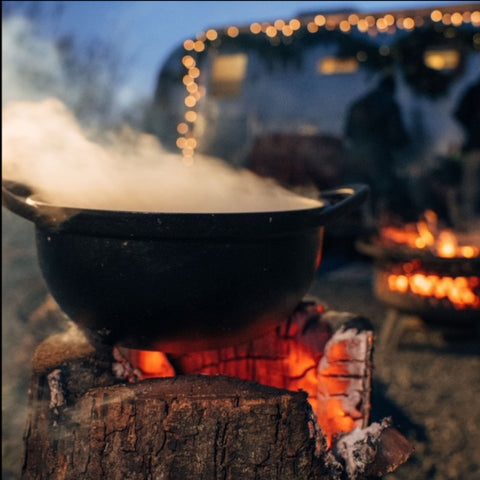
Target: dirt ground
(429,384)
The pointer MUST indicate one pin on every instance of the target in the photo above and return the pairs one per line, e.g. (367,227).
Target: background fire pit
(425,272)
(435,288)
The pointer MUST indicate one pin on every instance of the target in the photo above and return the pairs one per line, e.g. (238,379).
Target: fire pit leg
(388,337)
(395,326)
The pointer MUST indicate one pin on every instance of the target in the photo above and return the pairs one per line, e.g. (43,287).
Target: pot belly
(178,294)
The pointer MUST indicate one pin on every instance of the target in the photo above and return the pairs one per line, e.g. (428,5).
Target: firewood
(371,452)
(345,379)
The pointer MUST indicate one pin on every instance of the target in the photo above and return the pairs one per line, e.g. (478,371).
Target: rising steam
(45,148)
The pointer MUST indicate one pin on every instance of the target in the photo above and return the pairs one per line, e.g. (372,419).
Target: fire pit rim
(395,254)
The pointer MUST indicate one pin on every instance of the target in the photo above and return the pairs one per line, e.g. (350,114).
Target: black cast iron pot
(178,282)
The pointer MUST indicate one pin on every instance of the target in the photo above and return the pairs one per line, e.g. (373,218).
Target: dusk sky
(147,31)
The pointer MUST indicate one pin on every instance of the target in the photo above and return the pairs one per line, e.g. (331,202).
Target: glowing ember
(462,292)
(333,370)
(152,364)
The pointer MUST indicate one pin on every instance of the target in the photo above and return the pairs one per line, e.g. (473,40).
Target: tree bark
(188,427)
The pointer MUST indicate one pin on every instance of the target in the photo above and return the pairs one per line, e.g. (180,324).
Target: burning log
(93,412)
(299,355)
(345,378)
(371,452)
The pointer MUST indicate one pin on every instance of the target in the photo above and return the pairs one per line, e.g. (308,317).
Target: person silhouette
(375,133)
(467,113)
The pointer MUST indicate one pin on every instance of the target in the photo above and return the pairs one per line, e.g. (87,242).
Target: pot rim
(129,224)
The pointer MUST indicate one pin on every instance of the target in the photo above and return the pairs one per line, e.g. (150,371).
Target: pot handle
(343,200)
(14,197)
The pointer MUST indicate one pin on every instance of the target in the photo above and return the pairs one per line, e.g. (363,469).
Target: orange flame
(283,362)
(425,234)
(152,364)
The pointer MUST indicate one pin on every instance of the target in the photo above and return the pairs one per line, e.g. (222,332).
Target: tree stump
(93,417)
(187,427)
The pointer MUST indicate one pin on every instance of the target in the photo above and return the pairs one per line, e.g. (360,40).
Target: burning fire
(461,291)
(152,364)
(288,358)
(426,235)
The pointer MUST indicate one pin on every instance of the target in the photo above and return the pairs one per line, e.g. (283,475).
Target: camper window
(442,59)
(333,65)
(228,73)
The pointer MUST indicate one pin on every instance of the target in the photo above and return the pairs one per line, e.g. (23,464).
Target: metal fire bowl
(431,310)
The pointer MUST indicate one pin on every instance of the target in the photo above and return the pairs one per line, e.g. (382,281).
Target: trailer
(283,98)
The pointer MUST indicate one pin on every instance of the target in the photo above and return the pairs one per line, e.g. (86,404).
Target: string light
(353,19)
(271,31)
(295,24)
(475,18)
(362,25)
(190,101)
(211,35)
(436,16)
(409,23)
(381,24)
(199,46)
(389,19)
(447,19)
(320,20)
(194,72)
(188,61)
(182,128)
(192,87)
(370,24)
(187,80)
(255,28)
(190,116)
(189,45)
(345,26)
(370,19)
(233,32)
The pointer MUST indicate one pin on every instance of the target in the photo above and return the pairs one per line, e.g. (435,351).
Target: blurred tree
(91,71)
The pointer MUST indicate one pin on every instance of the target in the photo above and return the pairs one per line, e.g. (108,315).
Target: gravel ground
(429,385)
